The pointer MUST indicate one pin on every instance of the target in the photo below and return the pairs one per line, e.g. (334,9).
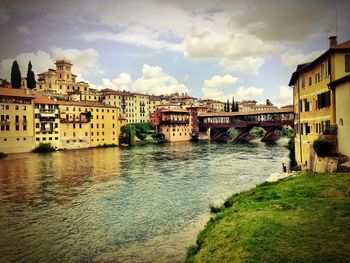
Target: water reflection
(108,204)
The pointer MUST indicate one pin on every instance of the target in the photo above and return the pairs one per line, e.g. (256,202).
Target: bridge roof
(245,113)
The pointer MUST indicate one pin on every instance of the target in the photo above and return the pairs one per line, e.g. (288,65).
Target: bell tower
(63,70)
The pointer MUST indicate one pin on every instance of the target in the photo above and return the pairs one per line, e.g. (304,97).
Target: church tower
(63,70)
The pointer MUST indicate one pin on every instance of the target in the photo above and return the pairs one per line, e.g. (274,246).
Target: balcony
(75,120)
(175,121)
(47,110)
(47,119)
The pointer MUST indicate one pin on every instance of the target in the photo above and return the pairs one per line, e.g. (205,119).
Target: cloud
(150,39)
(23,30)
(246,64)
(84,62)
(153,80)
(244,93)
(4,15)
(293,57)
(214,88)
(284,96)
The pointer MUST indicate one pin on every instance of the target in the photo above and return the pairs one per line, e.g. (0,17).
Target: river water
(142,204)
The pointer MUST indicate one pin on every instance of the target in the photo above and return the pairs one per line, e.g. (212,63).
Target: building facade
(175,124)
(46,121)
(314,102)
(16,121)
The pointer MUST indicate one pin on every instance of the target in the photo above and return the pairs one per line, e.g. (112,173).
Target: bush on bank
(299,219)
(2,155)
(44,148)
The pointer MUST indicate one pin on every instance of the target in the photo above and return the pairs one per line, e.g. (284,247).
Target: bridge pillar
(220,135)
(270,135)
(244,135)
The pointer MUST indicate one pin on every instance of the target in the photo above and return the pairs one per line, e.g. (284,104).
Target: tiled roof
(11,92)
(44,100)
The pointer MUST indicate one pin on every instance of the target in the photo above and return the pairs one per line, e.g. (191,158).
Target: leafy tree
(31,82)
(16,78)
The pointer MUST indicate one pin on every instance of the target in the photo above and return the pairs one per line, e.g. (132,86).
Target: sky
(208,49)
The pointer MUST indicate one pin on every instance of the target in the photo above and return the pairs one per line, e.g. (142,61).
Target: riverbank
(298,219)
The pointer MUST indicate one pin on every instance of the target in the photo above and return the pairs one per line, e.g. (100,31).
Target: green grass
(300,219)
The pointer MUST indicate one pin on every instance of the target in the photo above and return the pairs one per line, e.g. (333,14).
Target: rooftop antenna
(336,18)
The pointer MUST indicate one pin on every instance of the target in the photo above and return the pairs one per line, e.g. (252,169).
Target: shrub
(44,148)
(323,147)
(216,208)
(2,155)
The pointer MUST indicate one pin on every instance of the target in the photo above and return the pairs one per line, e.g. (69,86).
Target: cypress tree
(228,105)
(233,106)
(237,108)
(31,83)
(16,78)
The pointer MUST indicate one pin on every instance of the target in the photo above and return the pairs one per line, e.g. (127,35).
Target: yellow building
(314,102)
(60,80)
(341,87)
(46,121)
(175,124)
(214,104)
(154,102)
(133,106)
(88,124)
(16,121)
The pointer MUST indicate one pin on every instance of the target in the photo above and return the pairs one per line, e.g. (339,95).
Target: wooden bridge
(220,123)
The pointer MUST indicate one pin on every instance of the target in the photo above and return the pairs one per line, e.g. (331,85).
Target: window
(16,107)
(303,82)
(341,122)
(347,63)
(324,100)
(310,81)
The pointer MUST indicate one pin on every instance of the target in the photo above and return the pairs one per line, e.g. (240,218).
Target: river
(141,204)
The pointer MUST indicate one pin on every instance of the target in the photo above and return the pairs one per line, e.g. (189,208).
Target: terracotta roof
(154,98)
(11,92)
(344,45)
(86,104)
(44,100)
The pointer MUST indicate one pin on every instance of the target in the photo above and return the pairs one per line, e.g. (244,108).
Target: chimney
(332,41)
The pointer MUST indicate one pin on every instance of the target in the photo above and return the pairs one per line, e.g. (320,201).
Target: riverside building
(175,124)
(46,121)
(16,121)
(316,104)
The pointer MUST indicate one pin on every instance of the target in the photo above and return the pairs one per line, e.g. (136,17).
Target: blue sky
(210,49)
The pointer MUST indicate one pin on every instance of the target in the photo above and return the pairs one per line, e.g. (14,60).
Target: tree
(237,108)
(228,106)
(16,78)
(31,82)
(233,106)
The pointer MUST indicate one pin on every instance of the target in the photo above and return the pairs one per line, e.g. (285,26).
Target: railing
(330,130)
(175,121)
(43,119)
(76,120)
(47,110)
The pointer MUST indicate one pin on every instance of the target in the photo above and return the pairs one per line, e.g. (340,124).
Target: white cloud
(23,30)
(294,57)
(28,41)
(246,64)
(4,15)
(150,39)
(284,96)
(214,88)
(152,81)
(84,62)
(248,93)
(41,62)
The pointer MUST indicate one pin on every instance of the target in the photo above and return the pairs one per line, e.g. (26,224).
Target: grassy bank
(300,219)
